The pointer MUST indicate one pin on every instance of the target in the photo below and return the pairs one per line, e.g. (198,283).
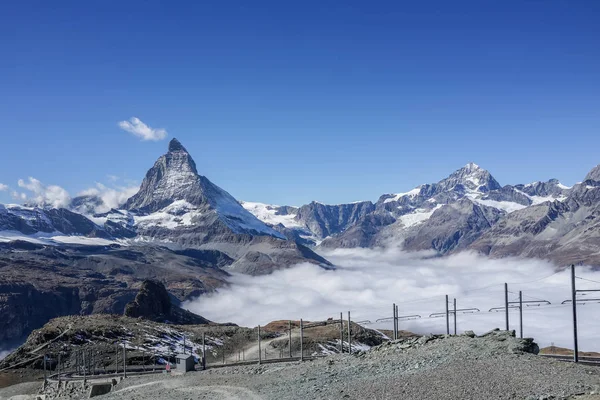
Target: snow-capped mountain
(174,194)
(18,221)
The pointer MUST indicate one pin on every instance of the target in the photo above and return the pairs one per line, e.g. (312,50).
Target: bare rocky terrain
(43,282)
(495,367)
(149,344)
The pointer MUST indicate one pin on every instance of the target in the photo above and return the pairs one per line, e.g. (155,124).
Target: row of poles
(86,361)
(302,328)
(518,304)
(454,311)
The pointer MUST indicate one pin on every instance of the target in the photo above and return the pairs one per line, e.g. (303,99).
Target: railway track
(595,361)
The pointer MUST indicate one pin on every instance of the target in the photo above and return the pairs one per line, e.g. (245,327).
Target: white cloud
(3,187)
(5,353)
(111,197)
(141,130)
(37,193)
(18,196)
(367,282)
(51,195)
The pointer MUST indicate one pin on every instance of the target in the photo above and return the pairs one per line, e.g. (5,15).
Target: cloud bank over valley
(368,281)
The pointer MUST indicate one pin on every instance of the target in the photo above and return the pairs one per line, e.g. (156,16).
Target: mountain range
(468,210)
(186,232)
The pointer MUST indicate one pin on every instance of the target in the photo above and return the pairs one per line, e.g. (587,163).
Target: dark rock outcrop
(153,302)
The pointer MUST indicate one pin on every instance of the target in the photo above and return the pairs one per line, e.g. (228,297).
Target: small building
(184,362)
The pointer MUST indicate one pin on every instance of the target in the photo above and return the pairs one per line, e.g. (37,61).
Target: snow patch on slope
(507,206)
(54,238)
(267,213)
(236,216)
(179,213)
(398,196)
(418,216)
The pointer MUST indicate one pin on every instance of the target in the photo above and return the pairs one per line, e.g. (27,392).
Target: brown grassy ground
(561,351)
(10,378)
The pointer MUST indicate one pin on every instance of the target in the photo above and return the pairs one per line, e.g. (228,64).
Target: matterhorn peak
(173,185)
(175,145)
(173,177)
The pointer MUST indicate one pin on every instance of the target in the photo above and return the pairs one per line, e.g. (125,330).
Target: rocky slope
(32,220)
(40,282)
(564,231)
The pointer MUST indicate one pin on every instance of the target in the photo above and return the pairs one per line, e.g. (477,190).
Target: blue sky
(288,102)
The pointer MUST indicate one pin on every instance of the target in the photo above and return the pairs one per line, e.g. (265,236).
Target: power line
(585,279)
(535,280)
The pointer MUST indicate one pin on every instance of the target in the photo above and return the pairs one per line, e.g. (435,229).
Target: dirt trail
(188,390)
(252,349)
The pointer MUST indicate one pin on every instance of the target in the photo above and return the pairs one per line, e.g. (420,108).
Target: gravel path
(491,367)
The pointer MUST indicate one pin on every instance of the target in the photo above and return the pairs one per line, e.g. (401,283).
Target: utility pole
(301,340)
(394,336)
(454,312)
(203,351)
(397,324)
(290,337)
(259,355)
(124,361)
(574,301)
(45,378)
(116,358)
(519,304)
(341,333)
(521,314)
(506,304)
(349,335)
(58,368)
(447,317)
